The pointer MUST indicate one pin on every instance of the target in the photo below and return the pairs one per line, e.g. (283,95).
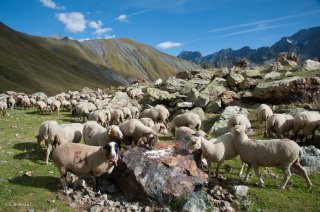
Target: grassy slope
(18,154)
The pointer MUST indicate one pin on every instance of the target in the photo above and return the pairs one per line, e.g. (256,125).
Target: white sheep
(263,112)
(55,106)
(147,121)
(82,160)
(279,124)
(308,122)
(126,113)
(63,133)
(160,128)
(134,112)
(215,150)
(81,110)
(159,113)
(99,116)
(138,133)
(25,102)
(66,104)
(191,120)
(41,106)
(33,102)
(268,153)
(3,107)
(11,102)
(117,116)
(96,135)
(239,119)
(43,133)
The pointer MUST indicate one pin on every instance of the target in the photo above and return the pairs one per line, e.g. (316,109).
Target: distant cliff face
(305,43)
(31,63)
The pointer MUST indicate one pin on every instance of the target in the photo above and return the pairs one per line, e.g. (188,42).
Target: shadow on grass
(37,113)
(47,182)
(27,146)
(31,152)
(71,120)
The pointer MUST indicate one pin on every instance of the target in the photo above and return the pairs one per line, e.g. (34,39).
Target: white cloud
(122,18)
(51,4)
(74,21)
(97,25)
(168,45)
(83,39)
(109,36)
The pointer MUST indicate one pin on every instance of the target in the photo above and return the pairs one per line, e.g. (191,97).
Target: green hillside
(31,63)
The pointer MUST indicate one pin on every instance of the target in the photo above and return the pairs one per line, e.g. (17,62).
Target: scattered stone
(221,126)
(186,75)
(310,158)
(251,73)
(215,88)
(240,190)
(28,174)
(196,201)
(311,65)
(200,112)
(159,94)
(192,95)
(201,101)
(248,83)
(272,75)
(230,98)
(185,105)
(234,80)
(214,106)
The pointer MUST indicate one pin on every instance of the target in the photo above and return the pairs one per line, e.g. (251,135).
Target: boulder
(158,82)
(159,94)
(186,75)
(293,89)
(215,88)
(201,101)
(192,95)
(196,202)
(276,66)
(287,59)
(248,83)
(173,84)
(311,65)
(272,75)
(240,190)
(182,137)
(310,159)
(214,106)
(121,99)
(157,177)
(230,98)
(200,112)
(251,73)
(234,80)
(184,105)
(221,126)
(205,75)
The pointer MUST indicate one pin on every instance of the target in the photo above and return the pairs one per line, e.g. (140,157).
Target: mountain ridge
(305,43)
(32,63)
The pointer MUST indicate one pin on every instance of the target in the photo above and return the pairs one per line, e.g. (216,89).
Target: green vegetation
(19,154)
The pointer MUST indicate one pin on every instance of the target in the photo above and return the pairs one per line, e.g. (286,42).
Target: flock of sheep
(104,129)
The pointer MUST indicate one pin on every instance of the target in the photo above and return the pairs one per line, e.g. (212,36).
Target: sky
(171,26)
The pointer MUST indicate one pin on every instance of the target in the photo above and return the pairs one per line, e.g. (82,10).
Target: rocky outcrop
(157,177)
(311,65)
(293,89)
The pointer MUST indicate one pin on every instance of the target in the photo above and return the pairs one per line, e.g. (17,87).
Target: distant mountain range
(32,63)
(305,43)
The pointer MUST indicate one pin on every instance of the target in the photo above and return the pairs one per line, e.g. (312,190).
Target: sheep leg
(64,183)
(217,170)
(248,172)
(49,148)
(303,172)
(242,168)
(286,177)
(97,179)
(256,170)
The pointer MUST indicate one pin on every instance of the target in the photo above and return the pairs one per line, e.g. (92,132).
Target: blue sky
(169,25)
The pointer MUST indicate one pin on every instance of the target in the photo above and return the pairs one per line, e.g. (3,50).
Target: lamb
(3,107)
(308,122)
(239,119)
(117,116)
(96,135)
(158,114)
(43,133)
(263,113)
(25,102)
(279,124)
(147,121)
(66,104)
(134,130)
(268,153)
(190,120)
(63,133)
(33,102)
(214,150)
(82,160)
